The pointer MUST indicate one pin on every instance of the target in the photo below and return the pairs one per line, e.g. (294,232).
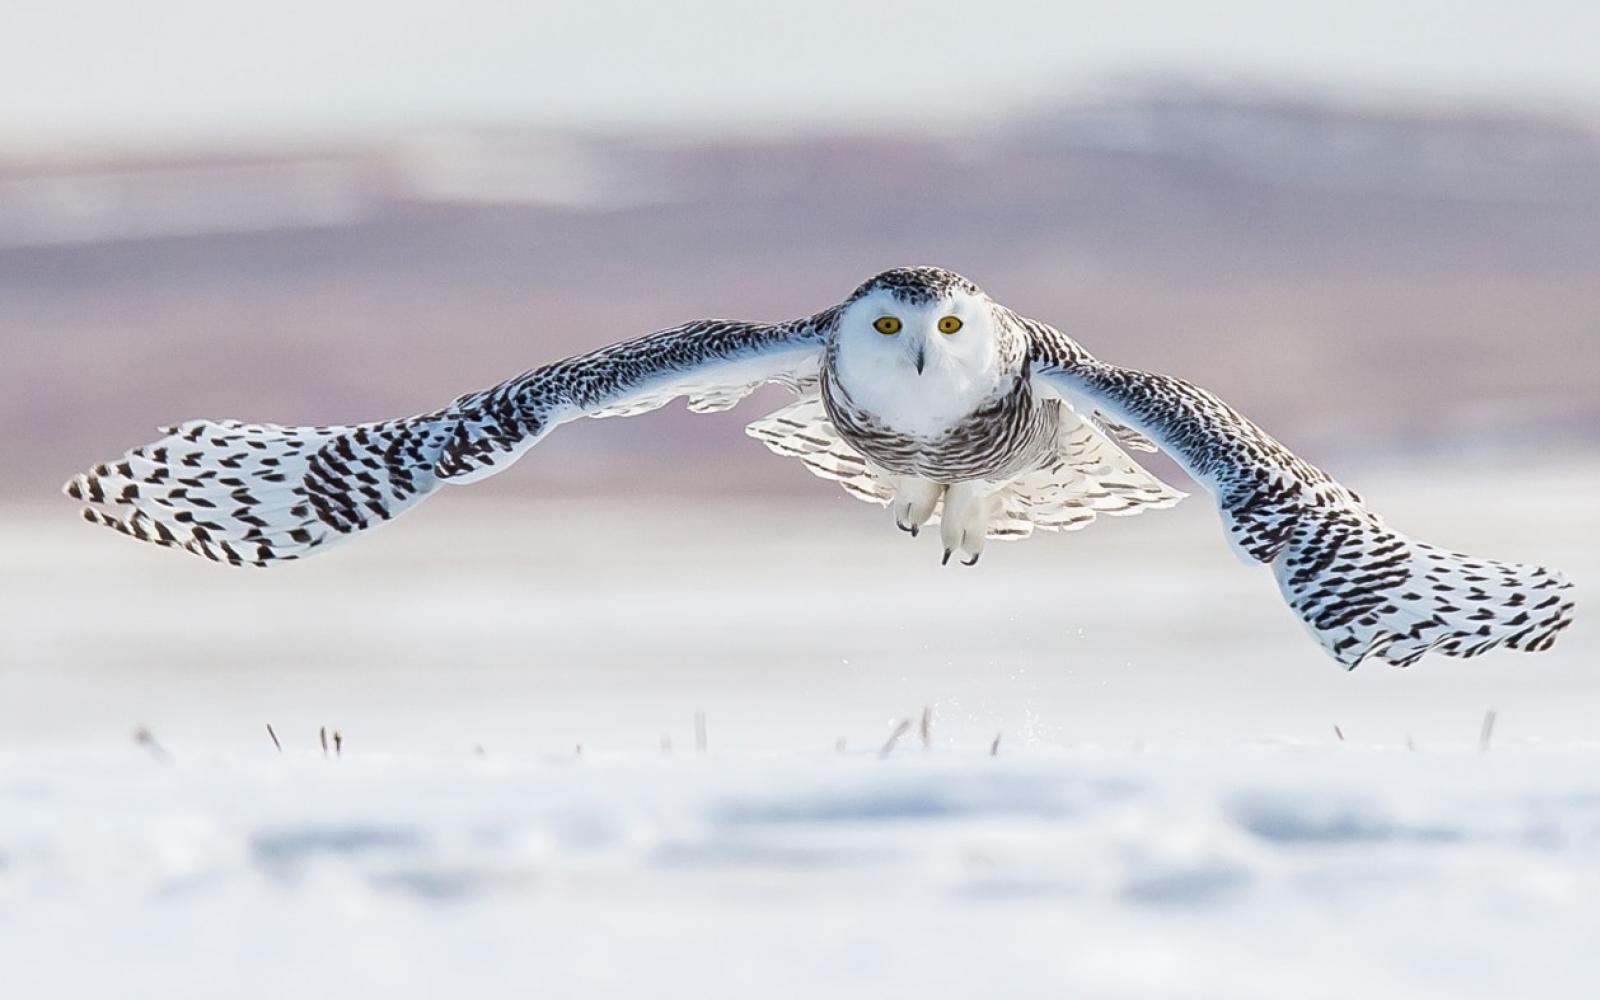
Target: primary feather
(1363,590)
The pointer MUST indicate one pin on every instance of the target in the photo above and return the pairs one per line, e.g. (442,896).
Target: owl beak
(920,359)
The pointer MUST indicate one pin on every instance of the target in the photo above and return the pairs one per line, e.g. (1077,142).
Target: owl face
(919,363)
(937,337)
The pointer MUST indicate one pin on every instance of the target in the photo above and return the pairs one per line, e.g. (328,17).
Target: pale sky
(209,70)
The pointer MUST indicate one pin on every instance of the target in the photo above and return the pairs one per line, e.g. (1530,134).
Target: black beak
(918,363)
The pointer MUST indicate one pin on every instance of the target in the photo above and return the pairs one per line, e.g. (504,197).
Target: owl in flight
(919,392)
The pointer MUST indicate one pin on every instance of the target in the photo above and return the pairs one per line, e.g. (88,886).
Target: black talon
(971,562)
(914,529)
(946,560)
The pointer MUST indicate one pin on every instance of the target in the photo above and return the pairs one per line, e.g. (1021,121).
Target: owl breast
(993,437)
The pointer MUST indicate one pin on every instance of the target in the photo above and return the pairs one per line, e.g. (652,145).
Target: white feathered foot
(964,524)
(914,502)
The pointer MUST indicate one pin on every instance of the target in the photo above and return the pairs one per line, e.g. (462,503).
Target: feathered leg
(964,525)
(914,502)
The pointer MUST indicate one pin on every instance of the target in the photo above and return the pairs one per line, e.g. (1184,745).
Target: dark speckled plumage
(1362,589)
(915,285)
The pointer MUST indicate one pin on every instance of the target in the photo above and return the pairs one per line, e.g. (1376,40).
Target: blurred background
(1375,227)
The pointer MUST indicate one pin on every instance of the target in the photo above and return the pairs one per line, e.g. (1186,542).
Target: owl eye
(949,324)
(886,325)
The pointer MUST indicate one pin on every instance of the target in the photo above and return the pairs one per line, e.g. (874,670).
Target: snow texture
(520,808)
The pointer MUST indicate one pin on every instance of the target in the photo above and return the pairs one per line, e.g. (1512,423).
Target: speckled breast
(1011,434)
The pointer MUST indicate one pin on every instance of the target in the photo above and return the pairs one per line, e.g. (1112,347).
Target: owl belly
(997,439)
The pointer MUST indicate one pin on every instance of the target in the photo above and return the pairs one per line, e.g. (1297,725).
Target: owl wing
(257,494)
(1361,589)
(1086,476)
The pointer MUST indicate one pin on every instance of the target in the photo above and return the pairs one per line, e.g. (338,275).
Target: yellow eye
(949,324)
(886,325)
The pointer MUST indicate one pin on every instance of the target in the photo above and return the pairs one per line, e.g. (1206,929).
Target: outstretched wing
(262,493)
(1360,588)
(714,363)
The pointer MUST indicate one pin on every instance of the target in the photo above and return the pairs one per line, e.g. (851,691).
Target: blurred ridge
(1351,276)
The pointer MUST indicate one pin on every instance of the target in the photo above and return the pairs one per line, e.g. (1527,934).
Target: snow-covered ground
(520,807)
(1269,871)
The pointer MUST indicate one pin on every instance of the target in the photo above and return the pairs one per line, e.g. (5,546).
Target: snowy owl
(918,392)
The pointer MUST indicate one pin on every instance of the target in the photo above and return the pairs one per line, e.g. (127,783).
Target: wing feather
(1089,476)
(258,494)
(1361,589)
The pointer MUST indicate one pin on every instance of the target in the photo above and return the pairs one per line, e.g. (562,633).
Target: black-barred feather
(1363,590)
(258,494)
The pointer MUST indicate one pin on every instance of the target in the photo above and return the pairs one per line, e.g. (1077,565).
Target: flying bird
(919,392)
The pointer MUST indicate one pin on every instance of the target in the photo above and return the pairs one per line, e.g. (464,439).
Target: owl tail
(1365,591)
(258,494)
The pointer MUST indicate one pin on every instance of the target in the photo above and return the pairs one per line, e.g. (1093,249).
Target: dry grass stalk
(274,738)
(1487,732)
(338,743)
(994,748)
(145,738)
(925,730)
(1339,733)
(323,735)
(894,737)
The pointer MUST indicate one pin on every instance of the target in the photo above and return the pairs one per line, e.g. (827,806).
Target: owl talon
(946,560)
(913,503)
(964,526)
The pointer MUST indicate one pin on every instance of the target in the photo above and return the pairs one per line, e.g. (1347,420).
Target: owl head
(924,320)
